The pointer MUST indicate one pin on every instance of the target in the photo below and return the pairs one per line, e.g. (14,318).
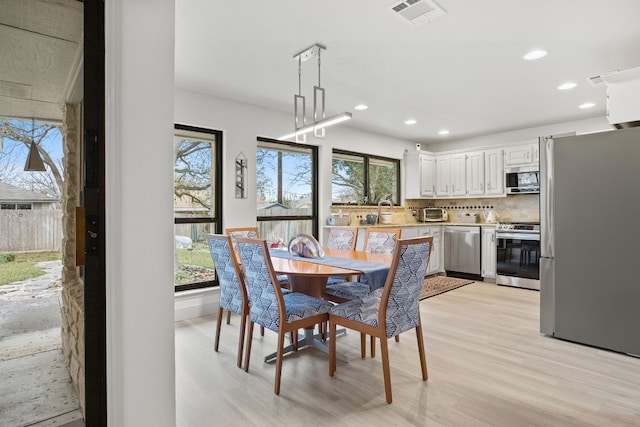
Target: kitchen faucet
(383,202)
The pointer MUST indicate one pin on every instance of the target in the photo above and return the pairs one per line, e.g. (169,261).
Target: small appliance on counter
(467,217)
(492,217)
(431,215)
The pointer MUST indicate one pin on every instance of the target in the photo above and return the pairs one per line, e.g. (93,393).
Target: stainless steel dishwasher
(462,251)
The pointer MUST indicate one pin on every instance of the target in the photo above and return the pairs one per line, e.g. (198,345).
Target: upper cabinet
(420,175)
(443,176)
(494,172)
(458,175)
(476,166)
(521,155)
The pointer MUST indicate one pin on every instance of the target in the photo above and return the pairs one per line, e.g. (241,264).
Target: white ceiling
(463,71)
(40,56)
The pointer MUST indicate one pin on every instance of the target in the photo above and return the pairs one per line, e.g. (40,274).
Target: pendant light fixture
(34,162)
(320,122)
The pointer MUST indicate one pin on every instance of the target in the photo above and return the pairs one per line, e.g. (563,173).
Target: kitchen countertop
(415,224)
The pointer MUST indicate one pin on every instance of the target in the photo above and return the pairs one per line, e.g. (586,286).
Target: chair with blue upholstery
(343,238)
(376,240)
(233,293)
(270,307)
(391,310)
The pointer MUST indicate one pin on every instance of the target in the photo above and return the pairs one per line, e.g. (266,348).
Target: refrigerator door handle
(547,296)
(547,197)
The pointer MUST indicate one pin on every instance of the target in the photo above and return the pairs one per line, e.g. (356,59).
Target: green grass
(196,265)
(23,267)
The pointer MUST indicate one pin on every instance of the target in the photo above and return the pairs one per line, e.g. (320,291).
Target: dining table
(310,275)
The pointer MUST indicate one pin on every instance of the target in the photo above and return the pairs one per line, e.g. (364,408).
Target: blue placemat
(374,273)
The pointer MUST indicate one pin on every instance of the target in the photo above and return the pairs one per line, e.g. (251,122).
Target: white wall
(522,135)
(242,123)
(139,181)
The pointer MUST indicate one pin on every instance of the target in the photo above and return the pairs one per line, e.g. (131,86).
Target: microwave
(522,180)
(431,214)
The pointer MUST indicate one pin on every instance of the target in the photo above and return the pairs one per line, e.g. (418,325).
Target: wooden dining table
(308,276)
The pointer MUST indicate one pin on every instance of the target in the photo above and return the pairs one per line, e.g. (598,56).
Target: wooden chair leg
(261,331)
(228,317)
(243,327)
(276,388)
(332,348)
(397,338)
(363,345)
(373,346)
(384,349)
(293,336)
(218,324)
(423,356)
(247,347)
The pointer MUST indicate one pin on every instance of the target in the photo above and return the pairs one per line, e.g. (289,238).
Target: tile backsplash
(523,207)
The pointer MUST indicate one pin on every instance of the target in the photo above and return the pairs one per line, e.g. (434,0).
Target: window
(286,190)
(7,206)
(364,179)
(197,198)
(24,206)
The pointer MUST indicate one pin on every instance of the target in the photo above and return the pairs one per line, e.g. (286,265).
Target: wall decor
(241,176)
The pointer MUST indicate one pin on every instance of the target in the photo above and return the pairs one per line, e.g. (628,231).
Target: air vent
(15,90)
(417,12)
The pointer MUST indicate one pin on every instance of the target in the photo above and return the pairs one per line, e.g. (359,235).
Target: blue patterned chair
(270,307)
(233,293)
(389,311)
(343,238)
(376,240)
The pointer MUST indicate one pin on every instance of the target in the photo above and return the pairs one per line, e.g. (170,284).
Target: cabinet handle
(453,188)
(434,188)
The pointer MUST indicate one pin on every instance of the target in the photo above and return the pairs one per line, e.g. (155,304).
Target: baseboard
(196,303)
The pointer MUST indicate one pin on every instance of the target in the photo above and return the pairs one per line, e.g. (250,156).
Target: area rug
(438,284)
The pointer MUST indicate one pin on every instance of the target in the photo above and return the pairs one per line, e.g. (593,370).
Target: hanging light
(320,122)
(34,162)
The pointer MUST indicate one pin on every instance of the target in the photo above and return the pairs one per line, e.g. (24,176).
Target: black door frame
(95,320)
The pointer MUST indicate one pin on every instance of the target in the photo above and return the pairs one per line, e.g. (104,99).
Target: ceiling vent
(417,12)
(15,90)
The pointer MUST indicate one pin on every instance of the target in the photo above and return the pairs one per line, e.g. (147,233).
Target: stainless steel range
(518,255)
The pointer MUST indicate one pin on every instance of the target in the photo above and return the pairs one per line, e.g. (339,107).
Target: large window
(364,179)
(197,200)
(286,190)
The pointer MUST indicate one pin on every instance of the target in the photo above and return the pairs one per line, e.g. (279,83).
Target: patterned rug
(438,284)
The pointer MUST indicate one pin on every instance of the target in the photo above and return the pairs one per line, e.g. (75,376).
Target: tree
(17,137)
(192,173)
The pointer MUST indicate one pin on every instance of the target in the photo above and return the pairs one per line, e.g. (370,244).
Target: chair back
(250,232)
(401,294)
(266,298)
(381,240)
(233,292)
(342,238)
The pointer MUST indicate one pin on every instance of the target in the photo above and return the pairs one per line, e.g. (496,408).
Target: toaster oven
(431,214)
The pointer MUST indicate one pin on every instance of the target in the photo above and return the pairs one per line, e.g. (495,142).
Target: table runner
(373,273)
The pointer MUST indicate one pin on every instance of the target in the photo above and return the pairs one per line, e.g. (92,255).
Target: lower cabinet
(436,264)
(488,252)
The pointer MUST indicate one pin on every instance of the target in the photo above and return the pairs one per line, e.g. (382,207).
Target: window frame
(314,186)
(366,158)
(216,219)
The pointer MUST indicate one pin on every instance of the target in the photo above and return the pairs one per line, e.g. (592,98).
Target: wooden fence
(30,230)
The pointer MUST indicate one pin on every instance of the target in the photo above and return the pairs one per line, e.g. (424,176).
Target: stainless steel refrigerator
(590,239)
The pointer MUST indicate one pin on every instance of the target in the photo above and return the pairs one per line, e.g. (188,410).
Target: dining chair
(388,311)
(233,292)
(278,311)
(376,240)
(342,238)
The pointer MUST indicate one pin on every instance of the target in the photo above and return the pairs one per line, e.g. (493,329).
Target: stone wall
(72,286)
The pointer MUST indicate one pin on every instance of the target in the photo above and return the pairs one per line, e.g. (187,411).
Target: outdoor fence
(30,230)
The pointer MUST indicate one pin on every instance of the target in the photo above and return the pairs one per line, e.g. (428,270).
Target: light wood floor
(488,366)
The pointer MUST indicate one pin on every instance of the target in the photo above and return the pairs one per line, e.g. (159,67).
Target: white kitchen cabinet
(475,173)
(494,172)
(419,175)
(521,155)
(443,176)
(458,175)
(488,252)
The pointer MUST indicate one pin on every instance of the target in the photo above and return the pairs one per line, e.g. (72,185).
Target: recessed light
(361,107)
(535,54)
(587,105)
(410,122)
(443,132)
(567,86)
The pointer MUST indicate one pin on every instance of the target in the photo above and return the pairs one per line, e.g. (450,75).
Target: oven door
(518,259)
